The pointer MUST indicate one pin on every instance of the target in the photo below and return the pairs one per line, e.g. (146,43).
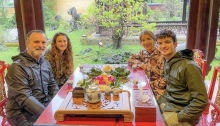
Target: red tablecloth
(47,117)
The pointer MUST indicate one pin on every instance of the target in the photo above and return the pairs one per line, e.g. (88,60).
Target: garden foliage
(118,18)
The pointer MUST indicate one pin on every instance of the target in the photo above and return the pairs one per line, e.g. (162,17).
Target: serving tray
(109,105)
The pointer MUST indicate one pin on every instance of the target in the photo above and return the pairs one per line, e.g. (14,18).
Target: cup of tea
(107,90)
(135,81)
(116,91)
(81,67)
(70,82)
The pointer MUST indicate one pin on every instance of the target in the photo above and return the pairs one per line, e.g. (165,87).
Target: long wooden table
(47,117)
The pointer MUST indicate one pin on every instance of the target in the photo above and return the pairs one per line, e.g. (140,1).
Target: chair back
(2,82)
(3,98)
(215,109)
(199,59)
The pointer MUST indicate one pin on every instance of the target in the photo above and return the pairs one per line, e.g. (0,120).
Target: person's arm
(52,87)
(161,83)
(162,98)
(18,87)
(196,85)
(159,67)
(137,60)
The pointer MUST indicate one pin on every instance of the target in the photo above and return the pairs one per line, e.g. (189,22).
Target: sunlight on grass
(6,55)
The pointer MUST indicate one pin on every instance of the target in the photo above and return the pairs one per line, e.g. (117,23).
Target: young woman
(151,60)
(60,57)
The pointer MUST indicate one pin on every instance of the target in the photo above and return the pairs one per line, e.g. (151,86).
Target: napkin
(144,98)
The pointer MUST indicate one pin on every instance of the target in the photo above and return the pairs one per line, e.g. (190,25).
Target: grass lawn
(215,62)
(88,58)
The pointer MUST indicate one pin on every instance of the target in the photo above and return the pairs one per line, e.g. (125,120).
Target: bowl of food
(92,72)
(107,69)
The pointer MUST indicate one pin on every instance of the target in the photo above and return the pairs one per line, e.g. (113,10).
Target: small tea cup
(116,91)
(107,91)
(81,67)
(135,81)
(70,82)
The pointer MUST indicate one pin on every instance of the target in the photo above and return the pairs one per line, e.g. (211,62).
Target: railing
(178,27)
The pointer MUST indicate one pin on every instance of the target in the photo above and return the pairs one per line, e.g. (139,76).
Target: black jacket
(31,86)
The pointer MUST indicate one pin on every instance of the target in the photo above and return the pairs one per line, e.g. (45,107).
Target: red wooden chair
(212,112)
(3,98)
(199,59)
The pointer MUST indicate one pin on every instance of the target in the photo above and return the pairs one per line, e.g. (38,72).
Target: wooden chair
(199,59)
(214,102)
(3,98)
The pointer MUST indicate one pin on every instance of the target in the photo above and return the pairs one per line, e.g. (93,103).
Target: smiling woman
(60,57)
(151,60)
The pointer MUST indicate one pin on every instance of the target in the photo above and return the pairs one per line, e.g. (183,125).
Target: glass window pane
(8,31)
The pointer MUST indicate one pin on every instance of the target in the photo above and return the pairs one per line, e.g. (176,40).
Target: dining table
(47,117)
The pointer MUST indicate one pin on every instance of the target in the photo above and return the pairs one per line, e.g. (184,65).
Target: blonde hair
(147,32)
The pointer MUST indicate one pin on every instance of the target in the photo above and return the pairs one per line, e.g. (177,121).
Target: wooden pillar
(19,20)
(29,16)
(202,27)
(184,11)
(213,24)
(192,21)
(39,17)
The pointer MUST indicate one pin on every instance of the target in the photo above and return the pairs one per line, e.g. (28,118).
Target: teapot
(93,94)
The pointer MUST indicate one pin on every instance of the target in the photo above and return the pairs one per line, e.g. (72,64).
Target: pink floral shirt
(153,66)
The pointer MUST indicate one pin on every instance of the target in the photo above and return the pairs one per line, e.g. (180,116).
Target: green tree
(49,12)
(3,12)
(10,23)
(173,8)
(157,15)
(116,16)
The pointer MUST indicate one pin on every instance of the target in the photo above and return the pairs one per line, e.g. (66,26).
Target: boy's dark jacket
(185,92)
